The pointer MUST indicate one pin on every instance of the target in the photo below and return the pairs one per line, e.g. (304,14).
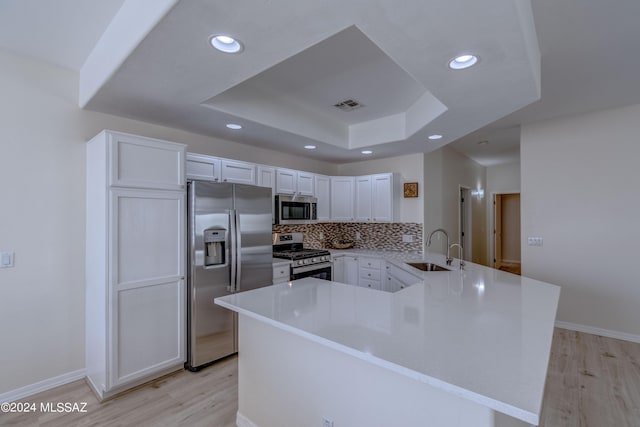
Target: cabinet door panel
(342,196)
(305,184)
(323,194)
(148,330)
(382,197)
(147,235)
(363,198)
(238,172)
(203,167)
(286,181)
(145,163)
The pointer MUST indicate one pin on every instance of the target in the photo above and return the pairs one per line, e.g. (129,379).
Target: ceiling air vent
(348,105)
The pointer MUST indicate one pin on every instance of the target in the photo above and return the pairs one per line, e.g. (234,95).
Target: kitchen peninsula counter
(467,347)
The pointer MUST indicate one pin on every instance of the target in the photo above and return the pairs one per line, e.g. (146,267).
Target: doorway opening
(506,232)
(465,223)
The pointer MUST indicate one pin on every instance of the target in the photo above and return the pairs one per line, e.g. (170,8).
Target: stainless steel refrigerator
(229,232)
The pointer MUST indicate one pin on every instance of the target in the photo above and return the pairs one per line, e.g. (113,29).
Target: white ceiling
(153,63)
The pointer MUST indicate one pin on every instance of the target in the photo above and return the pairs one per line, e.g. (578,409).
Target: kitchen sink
(427,266)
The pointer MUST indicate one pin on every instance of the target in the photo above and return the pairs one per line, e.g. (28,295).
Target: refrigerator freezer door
(210,327)
(253,216)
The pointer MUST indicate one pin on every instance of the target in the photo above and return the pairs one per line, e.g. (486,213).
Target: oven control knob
(314,260)
(304,261)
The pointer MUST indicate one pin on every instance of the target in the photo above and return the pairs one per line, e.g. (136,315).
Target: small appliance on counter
(306,262)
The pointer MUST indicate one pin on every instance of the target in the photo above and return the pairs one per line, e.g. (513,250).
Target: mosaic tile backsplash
(373,236)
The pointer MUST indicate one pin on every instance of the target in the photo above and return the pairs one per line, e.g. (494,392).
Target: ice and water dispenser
(214,246)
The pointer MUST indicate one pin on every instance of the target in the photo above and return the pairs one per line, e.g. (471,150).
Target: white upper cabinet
(363,198)
(238,172)
(305,184)
(286,181)
(267,177)
(323,194)
(289,181)
(203,167)
(374,198)
(140,162)
(342,196)
(382,199)
(209,168)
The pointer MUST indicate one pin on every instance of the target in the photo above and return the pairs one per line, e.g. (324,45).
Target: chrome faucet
(443,231)
(460,252)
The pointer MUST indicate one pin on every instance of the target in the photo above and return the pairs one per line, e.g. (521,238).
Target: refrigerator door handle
(238,241)
(233,262)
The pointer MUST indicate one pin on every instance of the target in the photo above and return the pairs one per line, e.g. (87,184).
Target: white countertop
(480,333)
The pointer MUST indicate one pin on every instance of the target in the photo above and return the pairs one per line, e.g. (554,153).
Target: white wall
(580,183)
(42,170)
(445,170)
(409,169)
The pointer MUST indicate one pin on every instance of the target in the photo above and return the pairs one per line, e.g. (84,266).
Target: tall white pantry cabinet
(135,260)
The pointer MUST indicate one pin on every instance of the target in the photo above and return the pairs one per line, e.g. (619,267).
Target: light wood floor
(592,382)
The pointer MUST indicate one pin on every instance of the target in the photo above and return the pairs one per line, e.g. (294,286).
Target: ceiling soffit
(301,58)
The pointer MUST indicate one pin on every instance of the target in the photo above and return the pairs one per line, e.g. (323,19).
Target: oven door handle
(296,270)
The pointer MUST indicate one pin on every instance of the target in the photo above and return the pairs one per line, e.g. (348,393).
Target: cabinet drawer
(370,274)
(281,274)
(371,263)
(373,284)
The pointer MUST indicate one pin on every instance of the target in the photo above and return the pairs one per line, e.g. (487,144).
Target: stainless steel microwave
(295,209)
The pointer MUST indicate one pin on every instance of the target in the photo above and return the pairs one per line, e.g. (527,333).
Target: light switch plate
(6,259)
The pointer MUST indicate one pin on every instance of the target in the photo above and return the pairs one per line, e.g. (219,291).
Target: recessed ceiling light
(435,136)
(225,44)
(463,61)
(310,147)
(234,126)
(366,151)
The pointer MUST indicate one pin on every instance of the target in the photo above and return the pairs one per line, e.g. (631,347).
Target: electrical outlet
(321,236)
(534,241)
(357,235)
(327,423)
(407,238)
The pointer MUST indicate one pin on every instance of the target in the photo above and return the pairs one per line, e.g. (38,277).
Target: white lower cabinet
(281,274)
(135,284)
(345,269)
(370,273)
(397,279)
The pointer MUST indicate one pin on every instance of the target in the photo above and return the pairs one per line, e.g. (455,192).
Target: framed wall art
(410,189)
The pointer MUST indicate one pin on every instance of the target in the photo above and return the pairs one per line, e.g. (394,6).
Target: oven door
(322,271)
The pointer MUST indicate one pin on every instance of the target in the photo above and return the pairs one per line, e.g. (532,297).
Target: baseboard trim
(598,331)
(242,421)
(40,386)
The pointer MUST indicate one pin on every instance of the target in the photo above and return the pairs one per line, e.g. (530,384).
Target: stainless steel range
(306,262)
